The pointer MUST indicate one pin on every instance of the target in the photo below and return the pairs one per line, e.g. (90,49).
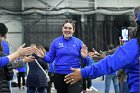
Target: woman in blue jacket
(67,52)
(126,56)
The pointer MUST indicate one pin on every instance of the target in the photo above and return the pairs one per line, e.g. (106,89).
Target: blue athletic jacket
(126,57)
(22,69)
(51,67)
(3,61)
(5,47)
(66,54)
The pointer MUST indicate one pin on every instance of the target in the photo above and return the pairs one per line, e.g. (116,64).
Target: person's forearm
(13,56)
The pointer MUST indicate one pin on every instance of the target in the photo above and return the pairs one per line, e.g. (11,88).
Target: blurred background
(98,22)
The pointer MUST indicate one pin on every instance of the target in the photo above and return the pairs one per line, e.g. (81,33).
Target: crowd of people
(70,64)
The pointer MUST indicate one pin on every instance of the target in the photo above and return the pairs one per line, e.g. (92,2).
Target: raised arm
(20,52)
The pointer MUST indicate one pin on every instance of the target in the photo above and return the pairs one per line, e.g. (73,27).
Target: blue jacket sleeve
(50,56)
(87,61)
(5,47)
(124,56)
(3,61)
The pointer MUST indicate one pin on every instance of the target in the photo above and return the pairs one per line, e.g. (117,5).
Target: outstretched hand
(74,76)
(84,51)
(25,51)
(27,59)
(39,53)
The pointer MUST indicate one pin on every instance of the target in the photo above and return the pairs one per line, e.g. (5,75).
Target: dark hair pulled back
(72,22)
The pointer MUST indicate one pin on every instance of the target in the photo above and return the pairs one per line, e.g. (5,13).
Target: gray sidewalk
(16,90)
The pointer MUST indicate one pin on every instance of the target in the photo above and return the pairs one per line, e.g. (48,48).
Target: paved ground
(16,90)
(98,87)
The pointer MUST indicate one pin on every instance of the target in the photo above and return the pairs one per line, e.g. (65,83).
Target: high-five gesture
(84,51)
(21,51)
(25,51)
(73,77)
(39,53)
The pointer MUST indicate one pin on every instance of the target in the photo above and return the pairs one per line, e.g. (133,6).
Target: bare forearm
(13,56)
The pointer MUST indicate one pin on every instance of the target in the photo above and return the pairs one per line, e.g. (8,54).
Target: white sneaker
(89,89)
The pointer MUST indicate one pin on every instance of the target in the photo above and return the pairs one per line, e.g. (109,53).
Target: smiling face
(68,30)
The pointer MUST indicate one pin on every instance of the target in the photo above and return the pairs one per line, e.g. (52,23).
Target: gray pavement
(16,90)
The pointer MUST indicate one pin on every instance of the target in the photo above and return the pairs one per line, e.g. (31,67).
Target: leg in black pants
(75,88)
(21,75)
(84,84)
(51,75)
(23,78)
(19,80)
(89,82)
(62,87)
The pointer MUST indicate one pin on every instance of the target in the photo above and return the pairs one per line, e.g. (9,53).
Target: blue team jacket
(51,67)
(126,57)
(66,54)
(5,47)
(22,69)
(4,61)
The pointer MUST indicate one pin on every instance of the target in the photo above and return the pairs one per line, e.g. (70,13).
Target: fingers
(29,50)
(91,54)
(31,57)
(28,59)
(25,51)
(22,46)
(84,47)
(74,81)
(69,79)
(73,69)
(40,53)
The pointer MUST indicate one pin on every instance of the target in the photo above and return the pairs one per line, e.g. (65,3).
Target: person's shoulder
(4,42)
(77,39)
(132,41)
(131,44)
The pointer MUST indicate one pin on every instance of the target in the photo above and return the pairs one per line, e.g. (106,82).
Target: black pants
(51,75)
(19,76)
(62,87)
(86,83)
